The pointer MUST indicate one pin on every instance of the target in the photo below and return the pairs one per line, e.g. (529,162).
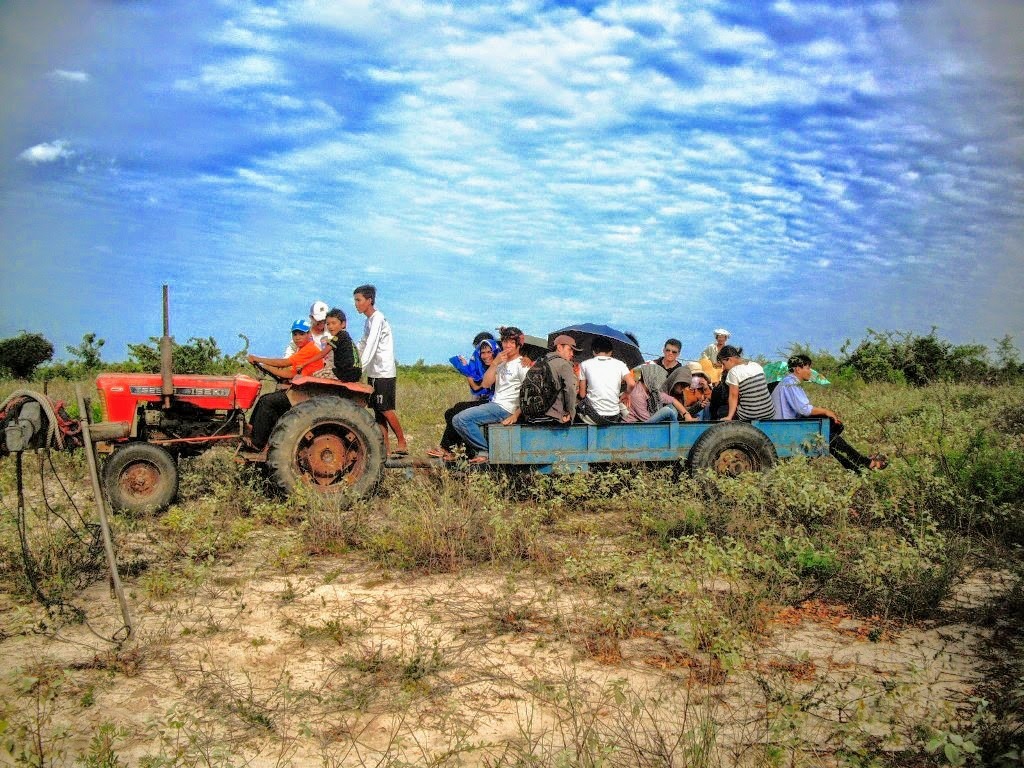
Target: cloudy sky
(794,171)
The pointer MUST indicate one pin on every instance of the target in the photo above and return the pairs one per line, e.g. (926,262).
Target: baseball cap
(318,311)
(301,326)
(566,339)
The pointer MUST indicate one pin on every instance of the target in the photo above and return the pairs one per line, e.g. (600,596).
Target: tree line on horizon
(898,357)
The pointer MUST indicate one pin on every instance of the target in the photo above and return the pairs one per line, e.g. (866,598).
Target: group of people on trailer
(322,346)
(510,382)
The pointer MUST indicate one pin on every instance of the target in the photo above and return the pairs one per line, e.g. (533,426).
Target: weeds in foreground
(32,724)
(436,524)
(673,584)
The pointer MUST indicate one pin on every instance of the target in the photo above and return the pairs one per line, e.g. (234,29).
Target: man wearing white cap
(711,350)
(317,328)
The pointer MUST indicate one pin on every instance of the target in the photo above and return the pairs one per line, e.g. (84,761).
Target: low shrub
(991,476)
(443,523)
(883,573)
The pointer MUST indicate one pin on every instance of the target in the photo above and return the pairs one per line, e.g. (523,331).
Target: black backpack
(539,390)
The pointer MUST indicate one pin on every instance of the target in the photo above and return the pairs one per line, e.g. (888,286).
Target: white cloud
(284,102)
(71,76)
(687,208)
(397,76)
(447,138)
(47,153)
(717,36)
(824,50)
(242,37)
(370,18)
(235,74)
(263,181)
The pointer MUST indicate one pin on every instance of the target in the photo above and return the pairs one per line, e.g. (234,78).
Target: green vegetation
(197,356)
(899,357)
(20,355)
(632,616)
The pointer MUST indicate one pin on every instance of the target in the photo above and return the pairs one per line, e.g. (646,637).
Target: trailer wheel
(329,444)
(731,448)
(140,477)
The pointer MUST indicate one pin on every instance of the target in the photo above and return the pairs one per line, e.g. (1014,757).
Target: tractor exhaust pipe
(166,364)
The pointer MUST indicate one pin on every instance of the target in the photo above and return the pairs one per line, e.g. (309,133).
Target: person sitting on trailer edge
(749,398)
(791,402)
(548,394)
(602,379)
(505,375)
(484,352)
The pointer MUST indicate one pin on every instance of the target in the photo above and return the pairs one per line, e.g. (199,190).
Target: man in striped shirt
(749,398)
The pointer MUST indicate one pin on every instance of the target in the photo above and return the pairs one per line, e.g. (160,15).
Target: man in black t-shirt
(670,355)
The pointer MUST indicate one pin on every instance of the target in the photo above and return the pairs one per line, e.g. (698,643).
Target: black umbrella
(623,347)
(534,346)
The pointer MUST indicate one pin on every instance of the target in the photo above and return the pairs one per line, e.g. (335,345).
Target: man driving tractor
(307,360)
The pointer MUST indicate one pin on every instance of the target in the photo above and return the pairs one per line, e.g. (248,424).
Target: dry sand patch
(341,665)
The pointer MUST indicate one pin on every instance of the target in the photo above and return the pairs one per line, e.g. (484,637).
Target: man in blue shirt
(791,402)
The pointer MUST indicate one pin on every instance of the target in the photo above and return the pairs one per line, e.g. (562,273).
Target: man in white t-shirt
(377,356)
(601,385)
(318,332)
(505,376)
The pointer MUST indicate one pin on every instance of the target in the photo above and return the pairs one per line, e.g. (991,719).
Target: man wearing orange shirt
(269,408)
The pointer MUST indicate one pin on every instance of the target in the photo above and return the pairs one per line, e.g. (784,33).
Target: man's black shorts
(383,397)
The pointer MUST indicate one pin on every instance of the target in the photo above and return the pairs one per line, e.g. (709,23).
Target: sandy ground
(340,664)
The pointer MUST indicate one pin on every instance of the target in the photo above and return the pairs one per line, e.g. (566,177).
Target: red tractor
(327,440)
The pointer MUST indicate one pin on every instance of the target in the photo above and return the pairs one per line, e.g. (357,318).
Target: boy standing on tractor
(377,355)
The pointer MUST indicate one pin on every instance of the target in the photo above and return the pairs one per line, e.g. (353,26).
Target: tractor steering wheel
(267,372)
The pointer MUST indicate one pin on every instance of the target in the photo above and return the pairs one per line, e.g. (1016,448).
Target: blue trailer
(728,447)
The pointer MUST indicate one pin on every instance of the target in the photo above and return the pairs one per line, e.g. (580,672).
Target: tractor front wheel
(140,477)
(330,445)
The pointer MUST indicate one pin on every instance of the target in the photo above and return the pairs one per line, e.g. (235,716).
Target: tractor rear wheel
(329,444)
(140,477)
(731,448)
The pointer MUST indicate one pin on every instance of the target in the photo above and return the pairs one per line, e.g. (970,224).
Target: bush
(200,356)
(894,577)
(902,356)
(21,355)
(824,362)
(993,476)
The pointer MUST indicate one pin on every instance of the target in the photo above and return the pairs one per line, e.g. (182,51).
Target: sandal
(440,453)
(480,458)
(878,461)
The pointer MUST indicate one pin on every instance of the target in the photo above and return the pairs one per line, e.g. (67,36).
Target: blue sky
(794,171)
